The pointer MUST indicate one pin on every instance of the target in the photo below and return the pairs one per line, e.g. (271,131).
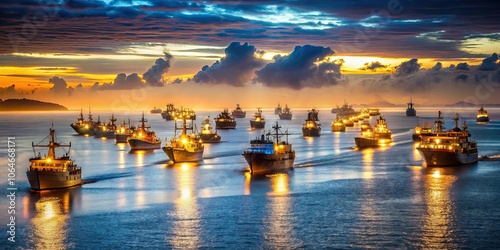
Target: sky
(213,54)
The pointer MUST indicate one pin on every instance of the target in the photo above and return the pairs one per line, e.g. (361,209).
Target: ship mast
(52,145)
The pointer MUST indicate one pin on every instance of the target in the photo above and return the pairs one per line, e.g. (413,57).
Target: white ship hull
(182,155)
(40,180)
(136,144)
(434,157)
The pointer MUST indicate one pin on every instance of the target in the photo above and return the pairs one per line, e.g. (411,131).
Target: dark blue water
(336,197)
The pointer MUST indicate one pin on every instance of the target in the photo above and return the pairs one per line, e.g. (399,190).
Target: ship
(124,132)
(185,112)
(156,110)
(238,112)
(348,122)
(95,125)
(207,135)
(224,120)
(186,147)
(338,125)
(52,172)
(106,130)
(335,110)
(312,127)
(482,115)
(169,113)
(268,154)
(410,111)
(424,130)
(448,148)
(380,135)
(258,121)
(277,110)
(365,125)
(81,126)
(286,113)
(373,111)
(143,138)
(346,111)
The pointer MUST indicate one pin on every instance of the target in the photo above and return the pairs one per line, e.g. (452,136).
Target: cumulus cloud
(60,85)
(154,75)
(8,91)
(373,66)
(236,68)
(121,82)
(462,66)
(306,66)
(489,63)
(407,68)
(437,67)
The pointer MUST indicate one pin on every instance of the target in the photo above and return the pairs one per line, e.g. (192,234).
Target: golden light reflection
(139,158)
(50,221)
(440,216)
(186,230)
(279,229)
(336,143)
(248,179)
(368,163)
(121,159)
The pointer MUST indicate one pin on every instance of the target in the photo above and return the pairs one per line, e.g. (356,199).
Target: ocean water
(336,197)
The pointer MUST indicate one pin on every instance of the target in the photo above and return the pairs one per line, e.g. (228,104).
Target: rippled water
(336,196)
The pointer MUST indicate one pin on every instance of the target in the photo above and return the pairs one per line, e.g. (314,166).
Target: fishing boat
(96,125)
(312,127)
(207,135)
(365,125)
(277,110)
(482,115)
(124,132)
(380,135)
(81,126)
(336,110)
(258,121)
(50,171)
(238,112)
(286,113)
(338,125)
(224,120)
(185,112)
(268,154)
(348,122)
(156,110)
(448,148)
(410,111)
(346,111)
(107,130)
(186,147)
(424,130)
(169,113)
(143,138)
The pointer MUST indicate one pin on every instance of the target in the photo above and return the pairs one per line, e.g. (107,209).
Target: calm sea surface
(336,197)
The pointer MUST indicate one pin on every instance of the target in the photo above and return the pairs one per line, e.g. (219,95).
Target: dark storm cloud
(373,66)
(407,68)
(154,75)
(304,67)
(489,63)
(368,27)
(462,66)
(236,68)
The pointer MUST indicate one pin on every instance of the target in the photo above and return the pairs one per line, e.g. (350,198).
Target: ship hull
(238,114)
(210,138)
(365,142)
(136,144)
(81,130)
(311,132)
(255,124)
(107,134)
(482,119)
(182,155)
(446,158)
(225,125)
(121,138)
(338,128)
(264,164)
(41,180)
(411,112)
(285,116)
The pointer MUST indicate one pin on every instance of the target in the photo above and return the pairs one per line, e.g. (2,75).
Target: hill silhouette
(29,105)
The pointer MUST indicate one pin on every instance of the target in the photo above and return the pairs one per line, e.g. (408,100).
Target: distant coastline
(29,105)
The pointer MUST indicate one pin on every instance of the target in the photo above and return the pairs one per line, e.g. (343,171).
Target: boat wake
(489,157)
(93,179)
(223,154)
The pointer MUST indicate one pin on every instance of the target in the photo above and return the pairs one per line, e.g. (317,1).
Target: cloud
(407,68)
(8,91)
(121,82)
(373,66)
(489,63)
(154,75)
(59,84)
(235,69)
(462,66)
(437,67)
(306,66)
